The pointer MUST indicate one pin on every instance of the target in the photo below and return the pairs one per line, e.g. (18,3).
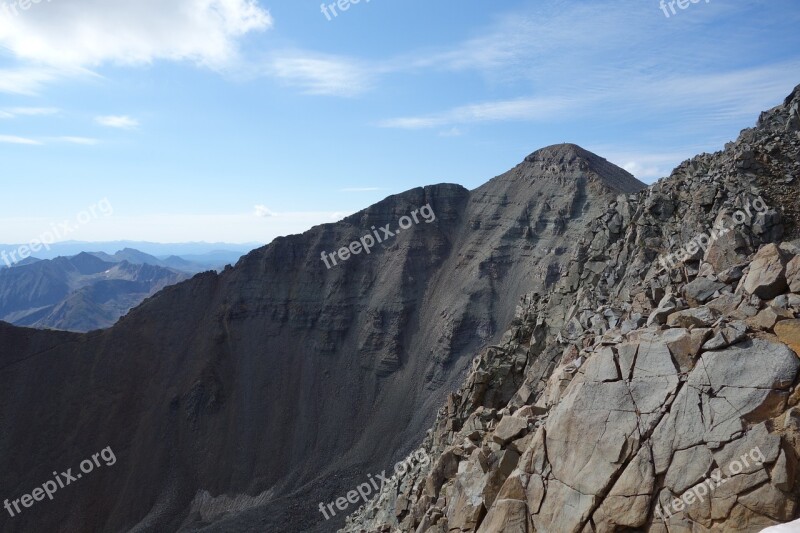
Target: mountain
(201,252)
(26,261)
(236,401)
(655,386)
(599,367)
(214,260)
(131,255)
(78,293)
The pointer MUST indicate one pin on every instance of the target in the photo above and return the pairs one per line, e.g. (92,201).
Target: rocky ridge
(637,380)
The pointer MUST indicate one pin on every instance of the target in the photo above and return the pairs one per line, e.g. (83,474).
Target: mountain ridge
(269,338)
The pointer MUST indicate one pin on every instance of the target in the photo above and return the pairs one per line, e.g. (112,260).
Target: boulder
(725,253)
(731,275)
(701,290)
(788,331)
(727,335)
(767,276)
(726,304)
(666,307)
(793,274)
(509,428)
(685,345)
(696,317)
(767,318)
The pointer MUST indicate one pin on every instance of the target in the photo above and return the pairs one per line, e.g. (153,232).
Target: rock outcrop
(655,388)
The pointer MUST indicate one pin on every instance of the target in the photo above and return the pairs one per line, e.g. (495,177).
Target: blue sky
(238,121)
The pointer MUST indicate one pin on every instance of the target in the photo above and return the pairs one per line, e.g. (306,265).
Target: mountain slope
(656,387)
(238,401)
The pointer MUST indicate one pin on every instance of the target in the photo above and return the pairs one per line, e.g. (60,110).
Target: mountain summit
(564,160)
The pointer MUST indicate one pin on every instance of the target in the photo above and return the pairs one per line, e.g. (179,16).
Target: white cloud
(13,139)
(86,141)
(521,109)
(27,111)
(320,75)
(118,121)
(262,211)
(95,32)
(27,81)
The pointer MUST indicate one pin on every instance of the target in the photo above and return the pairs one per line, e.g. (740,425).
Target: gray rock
(688,467)
(793,274)
(666,307)
(509,428)
(697,317)
(727,335)
(767,276)
(701,290)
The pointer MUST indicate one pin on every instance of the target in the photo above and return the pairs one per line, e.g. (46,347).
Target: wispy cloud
(27,111)
(521,109)
(320,74)
(13,139)
(595,62)
(86,141)
(28,80)
(118,121)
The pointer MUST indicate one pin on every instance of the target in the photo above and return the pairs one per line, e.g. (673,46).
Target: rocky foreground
(656,388)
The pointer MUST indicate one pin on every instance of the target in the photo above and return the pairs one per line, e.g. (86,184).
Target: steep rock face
(655,388)
(238,401)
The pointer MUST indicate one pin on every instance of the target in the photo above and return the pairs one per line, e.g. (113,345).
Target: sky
(242,120)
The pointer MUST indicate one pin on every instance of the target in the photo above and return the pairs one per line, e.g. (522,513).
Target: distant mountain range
(212,256)
(193,263)
(92,290)
(87,291)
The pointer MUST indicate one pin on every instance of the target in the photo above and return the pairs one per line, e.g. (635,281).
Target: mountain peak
(567,151)
(567,159)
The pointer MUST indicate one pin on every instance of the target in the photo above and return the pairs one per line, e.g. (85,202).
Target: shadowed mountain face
(79,293)
(238,401)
